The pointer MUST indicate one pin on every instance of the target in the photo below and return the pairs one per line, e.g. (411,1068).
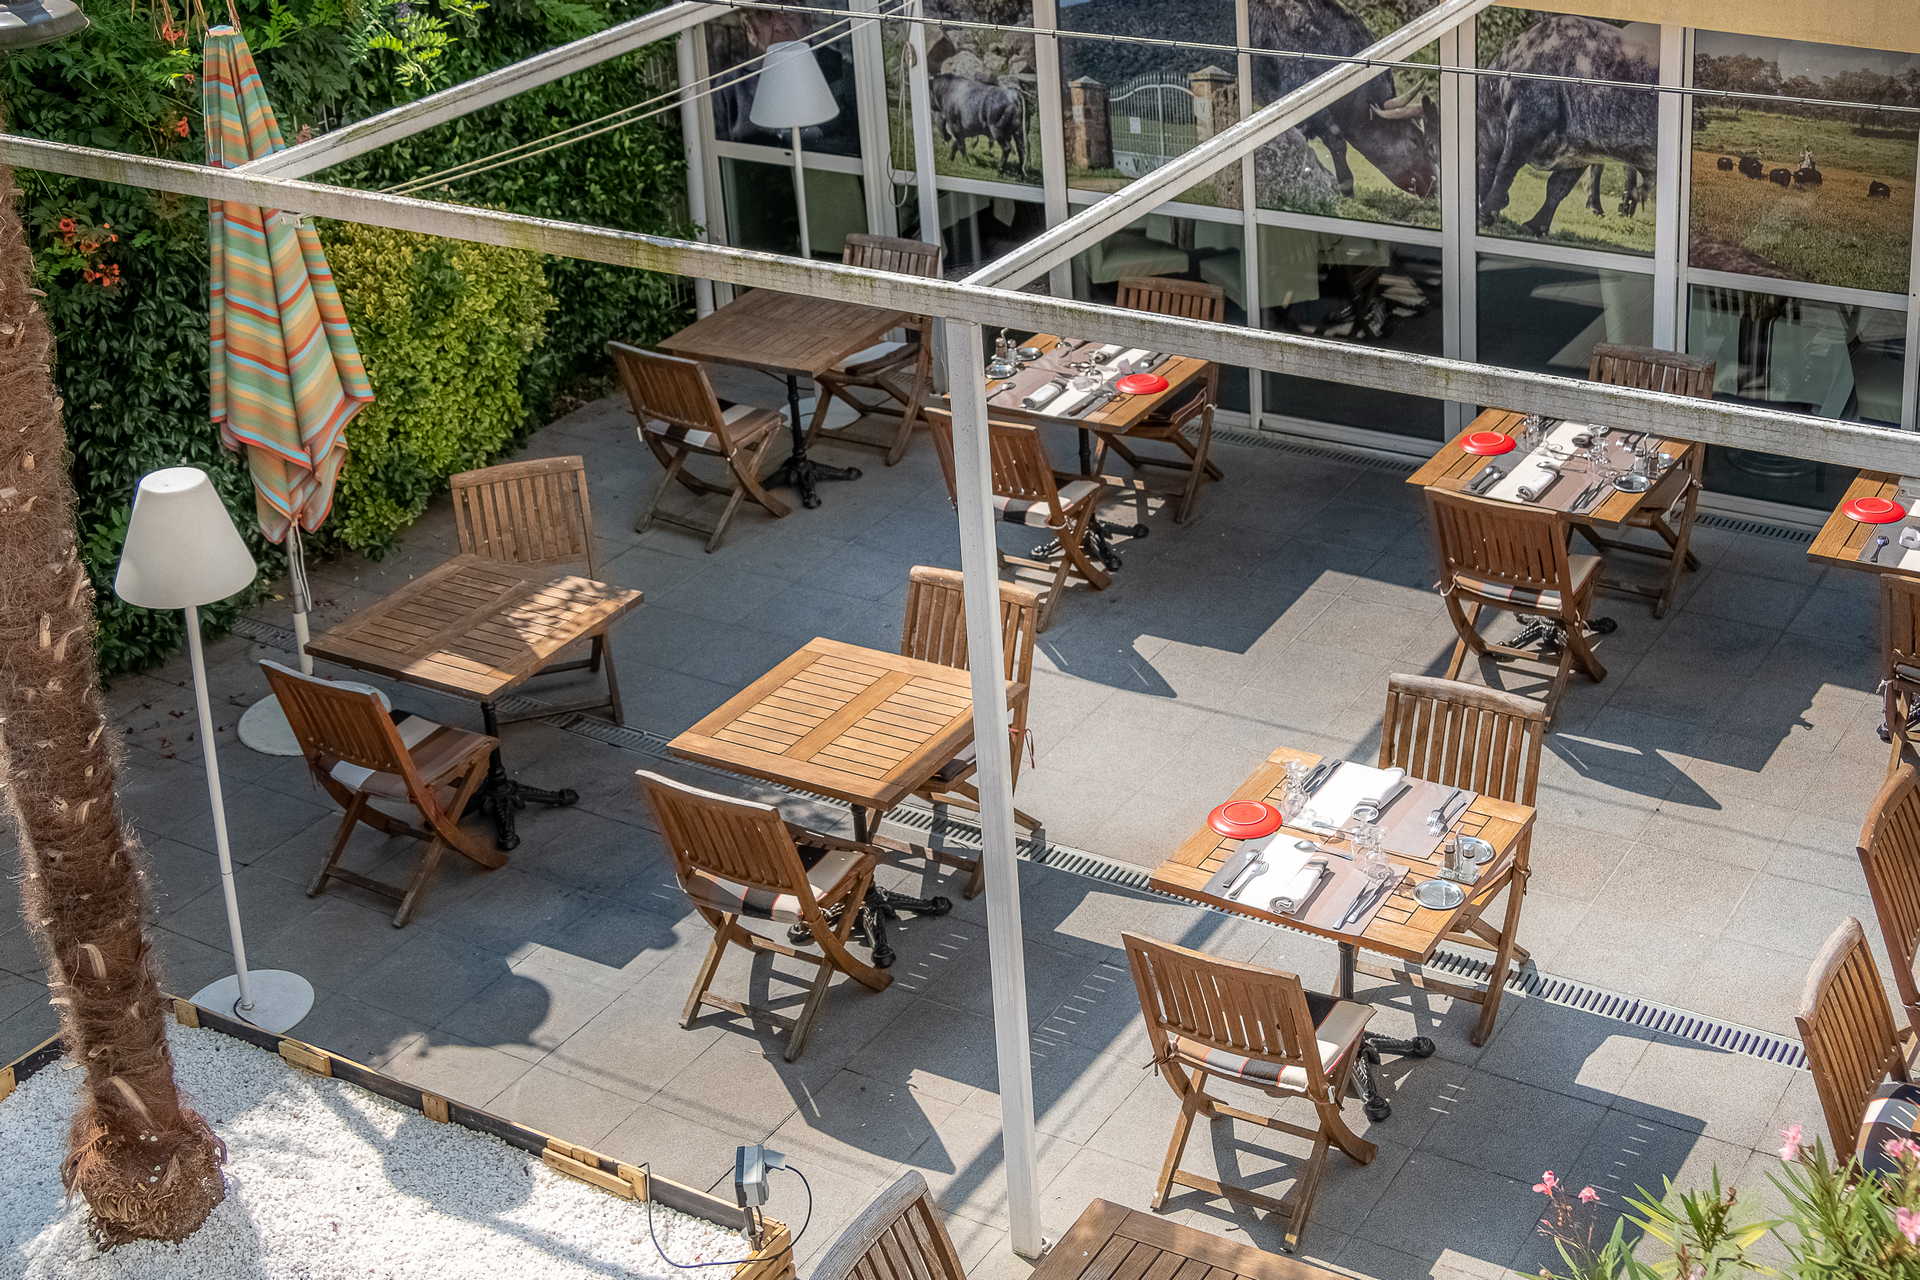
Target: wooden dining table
(1842,538)
(863,726)
(791,336)
(1401,930)
(477,628)
(1453,467)
(1112,1242)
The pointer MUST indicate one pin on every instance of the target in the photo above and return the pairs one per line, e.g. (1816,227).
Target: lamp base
(280,998)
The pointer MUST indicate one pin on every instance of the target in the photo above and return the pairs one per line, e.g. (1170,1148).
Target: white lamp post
(793,94)
(182,551)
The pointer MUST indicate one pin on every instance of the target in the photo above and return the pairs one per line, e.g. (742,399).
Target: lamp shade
(31,22)
(792,92)
(182,548)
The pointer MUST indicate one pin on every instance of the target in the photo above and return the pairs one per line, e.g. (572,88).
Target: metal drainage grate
(915,816)
(1757,528)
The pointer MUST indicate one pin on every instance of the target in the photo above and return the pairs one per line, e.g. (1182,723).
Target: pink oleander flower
(1900,1148)
(1548,1183)
(1588,1195)
(1908,1220)
(1790,1146)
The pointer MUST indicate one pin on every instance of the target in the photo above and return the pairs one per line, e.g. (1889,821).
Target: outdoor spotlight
(31,22)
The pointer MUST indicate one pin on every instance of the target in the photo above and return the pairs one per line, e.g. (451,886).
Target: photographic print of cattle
(981,87)
(1559,162)
(1837,206)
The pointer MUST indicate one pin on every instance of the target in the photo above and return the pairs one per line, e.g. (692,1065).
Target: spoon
(1879,545)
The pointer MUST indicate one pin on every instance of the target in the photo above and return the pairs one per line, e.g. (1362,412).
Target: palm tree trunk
(147,1164)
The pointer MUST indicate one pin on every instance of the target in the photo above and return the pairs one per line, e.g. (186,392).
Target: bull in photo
(965,108)
(1567,128)
(1395,131)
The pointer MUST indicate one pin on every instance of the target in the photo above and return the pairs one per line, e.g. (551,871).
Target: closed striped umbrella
(285,374)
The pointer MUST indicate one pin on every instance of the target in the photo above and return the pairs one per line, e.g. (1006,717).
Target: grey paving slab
(1730,1096)
(563,1105)
(528,1015)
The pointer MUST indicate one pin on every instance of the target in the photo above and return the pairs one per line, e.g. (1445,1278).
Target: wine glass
(1368,855)
(1294,800)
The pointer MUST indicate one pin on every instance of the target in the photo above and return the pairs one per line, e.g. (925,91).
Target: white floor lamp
(792,93)
(182,551)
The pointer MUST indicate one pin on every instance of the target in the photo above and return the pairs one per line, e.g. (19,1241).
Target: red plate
(1488,442)
(1245,819)
(1140,384)
(1873,510)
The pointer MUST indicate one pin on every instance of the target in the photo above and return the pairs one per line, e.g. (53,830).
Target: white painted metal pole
(800,199)
(198,658)
(1673,158)
(922,119)
(683,56)
(1910,400)
(973,489)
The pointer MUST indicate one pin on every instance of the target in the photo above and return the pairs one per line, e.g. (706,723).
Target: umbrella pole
(264,727)
(302,596)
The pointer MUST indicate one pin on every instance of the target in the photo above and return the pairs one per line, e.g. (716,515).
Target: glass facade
(1571,214)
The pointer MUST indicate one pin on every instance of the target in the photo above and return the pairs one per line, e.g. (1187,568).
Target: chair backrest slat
(670,390)
(1244,1009)
(1890,858)
(335,723)
(891,253)
(1018,457)
(1464,735)
(1521,546)
(730,839)
(1186,299)
(533,512)
(897,1236)
(934,625)
(1899,623)
(1847,1029)
(1651,369)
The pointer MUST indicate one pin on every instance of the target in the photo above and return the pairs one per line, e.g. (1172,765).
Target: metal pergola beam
(1143,195)
(1716,422)
(469,96)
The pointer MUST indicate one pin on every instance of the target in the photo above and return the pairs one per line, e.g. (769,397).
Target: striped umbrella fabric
(286,375)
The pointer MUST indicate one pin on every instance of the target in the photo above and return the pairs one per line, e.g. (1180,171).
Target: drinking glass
(1294,800)
(1368,854)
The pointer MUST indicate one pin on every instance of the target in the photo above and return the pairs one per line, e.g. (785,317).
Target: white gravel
(326,1181)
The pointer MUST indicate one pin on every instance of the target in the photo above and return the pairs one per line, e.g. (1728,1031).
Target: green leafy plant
(445,328)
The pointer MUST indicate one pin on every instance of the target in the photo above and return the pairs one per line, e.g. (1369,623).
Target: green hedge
(125,271)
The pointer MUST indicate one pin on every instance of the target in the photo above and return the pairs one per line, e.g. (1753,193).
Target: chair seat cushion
(437,751)
(827,876)
(734,415)
(1892,1115)
(1581,568)
(1337,1025)
(1032,512)
(958,767)
(876,358)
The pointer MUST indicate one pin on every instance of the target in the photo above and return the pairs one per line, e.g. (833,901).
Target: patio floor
(1698,812)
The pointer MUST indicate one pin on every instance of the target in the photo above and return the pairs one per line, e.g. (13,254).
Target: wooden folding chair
(1669,511)
(679,416)
(901,371)
(537,512)
(412,778)
(898,1236)
(934,629)
(1193,301)
(1512,558)
(1899,663)
(1848,1031)
(1257,1027)
(737,860)
(1028,491)
(1890,858)
(1485,741)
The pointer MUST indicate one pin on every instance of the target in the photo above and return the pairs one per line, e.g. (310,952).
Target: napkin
(1049,393)
(1525,483)
(1283,877)
(1350,786)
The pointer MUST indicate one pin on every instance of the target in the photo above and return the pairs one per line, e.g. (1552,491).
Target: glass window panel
(1375,154)
(761,213)
(1837,360)
(1548,316)
(1129,108)
(975,229)
(986,120)
(1360,290)
(895,50)
(740,38)
(1560,163)
(1823,194)
(1181,248)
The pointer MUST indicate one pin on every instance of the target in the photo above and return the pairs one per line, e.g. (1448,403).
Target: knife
(1321,772)
(1255,860)
(1439,812)
(1368,896)
(1448,813)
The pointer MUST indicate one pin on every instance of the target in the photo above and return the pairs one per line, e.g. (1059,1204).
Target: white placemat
(1350,785)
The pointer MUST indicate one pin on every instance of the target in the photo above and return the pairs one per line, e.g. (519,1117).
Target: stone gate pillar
(1089,131)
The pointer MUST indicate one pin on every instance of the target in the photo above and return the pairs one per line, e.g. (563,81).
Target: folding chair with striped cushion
(1257,1027)
(413,777)
(1848,1031)
(900,370)
(736,860)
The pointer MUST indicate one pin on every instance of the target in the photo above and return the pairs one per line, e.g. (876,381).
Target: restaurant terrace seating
(897,1236)
(1204,302)
(679,417)
(409,777)
(1900,662)
(738,860)
(1890,857)
(1854,1049)
(901,370)
(537,512)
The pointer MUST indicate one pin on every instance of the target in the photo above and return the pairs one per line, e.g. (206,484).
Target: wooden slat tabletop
(1453,467)
(783,332)
(473,627)
(860,725)
(1402,928)
(1112,1242)
(1841,537)
(1115,416)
